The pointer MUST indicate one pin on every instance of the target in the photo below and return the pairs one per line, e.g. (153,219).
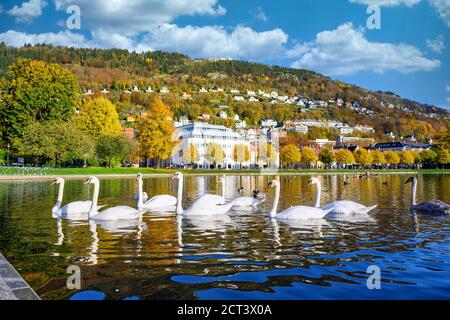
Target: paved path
(12,286)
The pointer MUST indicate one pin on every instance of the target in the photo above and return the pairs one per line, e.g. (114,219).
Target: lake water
(243,255)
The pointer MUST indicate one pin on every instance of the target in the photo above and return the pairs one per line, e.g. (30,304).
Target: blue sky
(409,54)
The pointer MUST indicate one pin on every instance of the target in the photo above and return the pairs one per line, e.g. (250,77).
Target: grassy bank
(131,171)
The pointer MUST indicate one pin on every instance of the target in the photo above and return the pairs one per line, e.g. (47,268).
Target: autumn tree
(155,132)
(326,156)
(98,117)
(190,154)
(344,157)
(378,158)
(407,158)
(428,157)
(392,157)
(214,153)
(290,155)
(267,153)
(241,153)
(363,157)
(309,157)
(35,92)
(57,140)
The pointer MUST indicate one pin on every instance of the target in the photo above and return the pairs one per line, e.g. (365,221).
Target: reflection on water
(243,255)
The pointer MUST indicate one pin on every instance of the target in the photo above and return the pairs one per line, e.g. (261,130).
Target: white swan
(77,210)
(293,213)
(163,202)
(241,202)
(339,206)
(207,204)
(430,206)
(114,213)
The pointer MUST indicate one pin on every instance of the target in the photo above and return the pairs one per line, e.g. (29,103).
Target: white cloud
(437,45)
(28,10)
(131,17)
(260,14)
(345,51)
(215,41)
(199,42)
(447,88)
(387,3)
(448,101)
(63,38)
(443,9)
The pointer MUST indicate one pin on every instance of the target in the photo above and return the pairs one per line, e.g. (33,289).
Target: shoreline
(214,173)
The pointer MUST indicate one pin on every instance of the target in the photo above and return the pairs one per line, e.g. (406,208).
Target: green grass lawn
(126,171)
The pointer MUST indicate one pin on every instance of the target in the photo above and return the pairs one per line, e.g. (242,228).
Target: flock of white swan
(213,205)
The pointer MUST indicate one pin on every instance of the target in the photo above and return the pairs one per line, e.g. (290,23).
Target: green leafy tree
(290,155)
(326,156)
(112,150)
(36,91)
(309,157)
(98,117)
(443,157)
(428,157)
(57,140)
(344,157)
(363,157)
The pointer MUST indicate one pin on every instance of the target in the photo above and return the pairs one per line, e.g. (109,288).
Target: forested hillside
(117,70)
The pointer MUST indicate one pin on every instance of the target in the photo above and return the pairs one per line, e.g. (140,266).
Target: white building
(366,129)
(164,90)
(345,130)
(268,123)
(149,90)
(201,135)
(239,98)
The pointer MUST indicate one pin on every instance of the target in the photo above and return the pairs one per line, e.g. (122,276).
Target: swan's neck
(60,197)
(318,195)
(413,193)
(223,187)
(140,195)
(180,196)
(93,210)
(273,212)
